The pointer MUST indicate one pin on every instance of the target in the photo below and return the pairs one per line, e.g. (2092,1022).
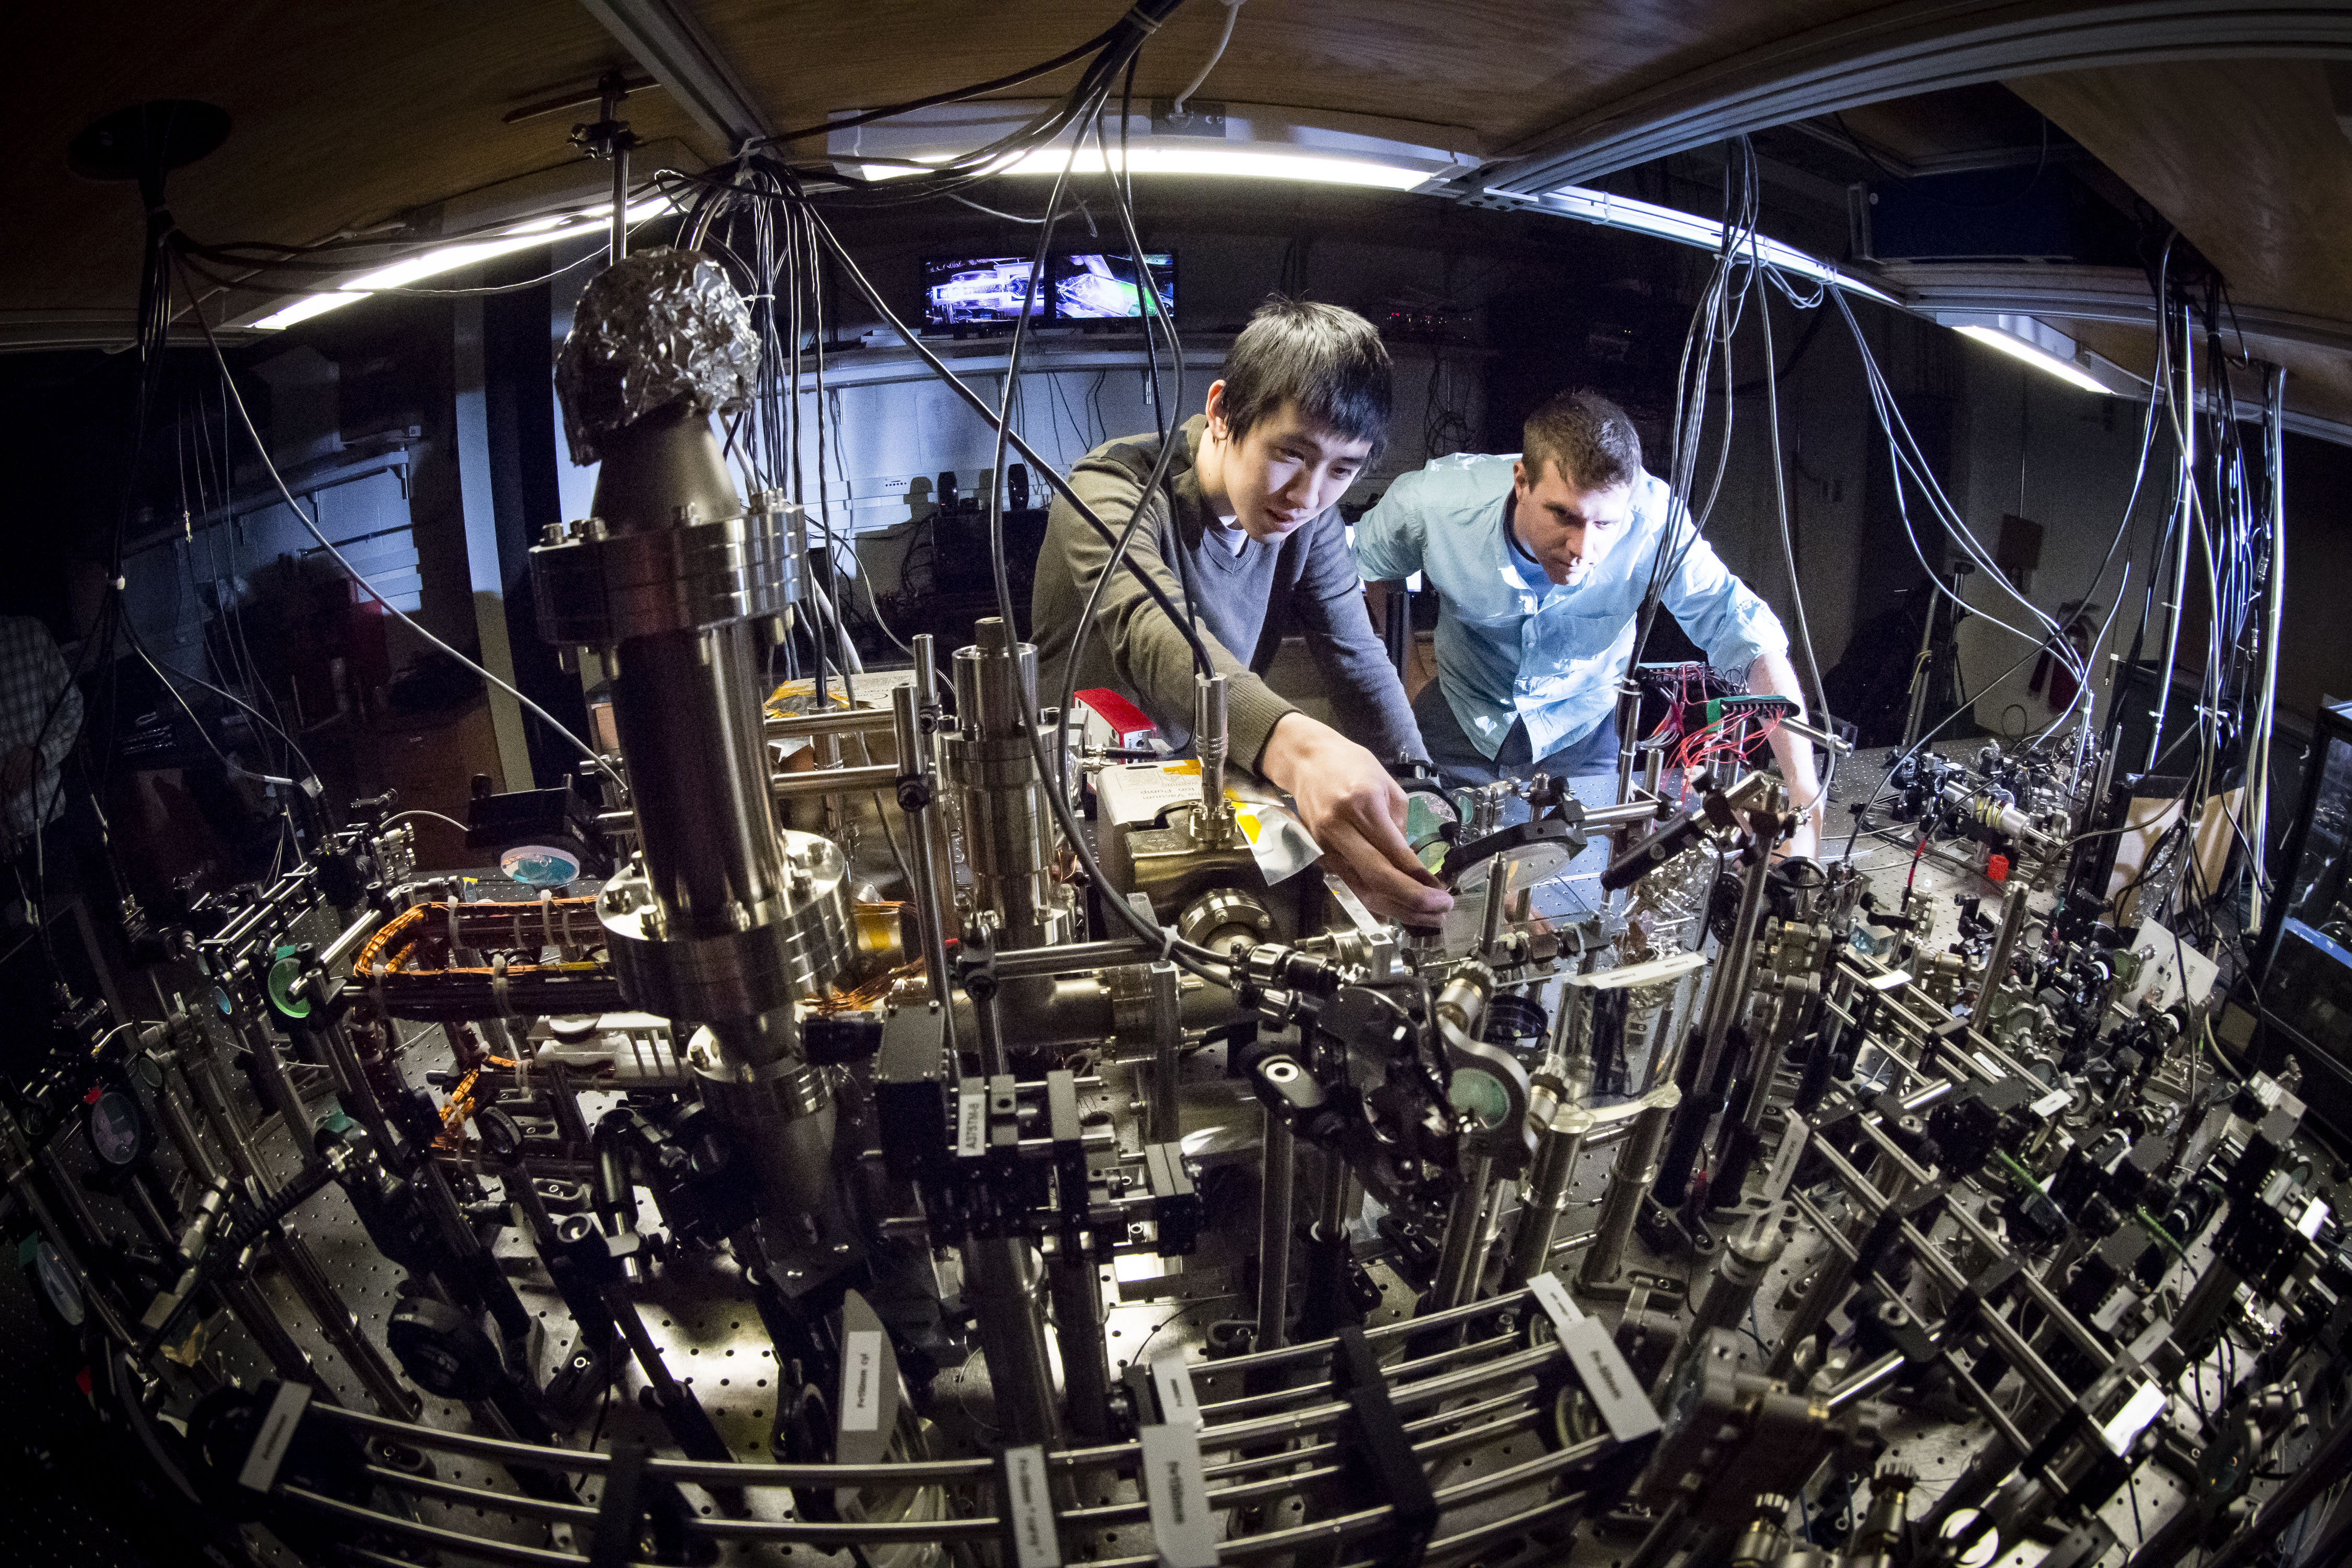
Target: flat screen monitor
(1097,286)
(962,290)
(1087,286)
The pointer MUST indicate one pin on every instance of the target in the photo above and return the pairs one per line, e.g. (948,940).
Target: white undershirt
(1236,538)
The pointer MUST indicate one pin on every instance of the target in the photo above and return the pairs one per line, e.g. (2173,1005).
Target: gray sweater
(1305,583)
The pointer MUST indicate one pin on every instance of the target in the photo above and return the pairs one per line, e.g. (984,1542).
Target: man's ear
(1520,475)
(1215,409)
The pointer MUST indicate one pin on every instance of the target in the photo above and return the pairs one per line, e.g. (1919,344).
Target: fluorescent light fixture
(2025,338)
(449,258)
(1683,229)
(1238,141)
(1173,157)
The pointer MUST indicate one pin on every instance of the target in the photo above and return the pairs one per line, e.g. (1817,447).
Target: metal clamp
(600,588)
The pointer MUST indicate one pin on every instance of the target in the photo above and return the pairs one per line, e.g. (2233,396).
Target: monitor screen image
(1094,286)
(958,290)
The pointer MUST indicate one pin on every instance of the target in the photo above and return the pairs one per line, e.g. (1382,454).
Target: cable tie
(547,916)
(1135,14)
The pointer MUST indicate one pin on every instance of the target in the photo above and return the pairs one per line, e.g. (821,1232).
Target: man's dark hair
(1330,362)
(1586,437)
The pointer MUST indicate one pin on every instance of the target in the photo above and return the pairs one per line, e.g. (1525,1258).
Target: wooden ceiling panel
(342,115)
(2245,156)
(2318,380)
(1503,69)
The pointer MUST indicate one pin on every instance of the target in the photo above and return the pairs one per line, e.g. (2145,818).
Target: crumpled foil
(661,327)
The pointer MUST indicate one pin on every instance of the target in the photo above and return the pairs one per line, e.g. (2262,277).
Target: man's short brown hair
(1586,437)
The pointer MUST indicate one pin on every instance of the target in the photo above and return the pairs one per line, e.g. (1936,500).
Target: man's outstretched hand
(1356,813)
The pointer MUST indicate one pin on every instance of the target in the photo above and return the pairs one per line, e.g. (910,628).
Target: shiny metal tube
(1278,1184)
(1209,740)
(1740,1266)
(2004,947)
(1724,1000)
(1078,1327)
(998,798)
(1862,1384)
(1629,1183)
(1630,812)
(914,761)
(833,721)
(350,939)
(1458,1260)
(1545,1197)
(1070,958)
(687,708)
(819,782)
(1162,1107)
(1001,1279)
(1044,1011)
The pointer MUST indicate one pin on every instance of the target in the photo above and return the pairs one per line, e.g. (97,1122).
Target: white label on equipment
(1553,1298)
(1177,1497)
(861,1380)
(1609,1381)
(1992,1072)
(1785,1158)
(2051,1104)
(276,1435)
(2314,1216)
(2145,1405)
(1172,1380)
(971,1123)
(1029,1509)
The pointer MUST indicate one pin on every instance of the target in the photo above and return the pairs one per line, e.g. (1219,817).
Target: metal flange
(599,588)
(740,973)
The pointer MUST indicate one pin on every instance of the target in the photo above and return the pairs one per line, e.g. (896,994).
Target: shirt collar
(1522,565)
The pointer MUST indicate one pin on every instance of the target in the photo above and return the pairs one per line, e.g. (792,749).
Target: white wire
(420,811)
(1233,11)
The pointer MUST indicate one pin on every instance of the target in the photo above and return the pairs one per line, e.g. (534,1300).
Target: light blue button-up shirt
(1511,643)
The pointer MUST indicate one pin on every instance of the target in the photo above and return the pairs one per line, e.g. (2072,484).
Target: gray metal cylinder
(1739,1268)
(1545,1198)
(1629,1183)
(1277,1194)
(1459,1259)
(1078,1334)
(1000,1277)
(994,790)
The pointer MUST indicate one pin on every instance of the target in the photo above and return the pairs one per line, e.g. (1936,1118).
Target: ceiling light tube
(1683,229)
(445,258)
(1217,142)
(2024,338)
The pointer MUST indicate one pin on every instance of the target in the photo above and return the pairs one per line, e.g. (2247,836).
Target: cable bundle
(407,968)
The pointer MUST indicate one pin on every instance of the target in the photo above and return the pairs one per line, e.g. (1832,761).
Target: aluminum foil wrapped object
(663,327)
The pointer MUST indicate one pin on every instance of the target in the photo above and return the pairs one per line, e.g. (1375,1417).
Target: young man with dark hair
(1541,564)
(1245,518)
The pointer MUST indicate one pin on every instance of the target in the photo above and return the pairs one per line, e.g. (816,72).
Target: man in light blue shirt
(1541,565)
